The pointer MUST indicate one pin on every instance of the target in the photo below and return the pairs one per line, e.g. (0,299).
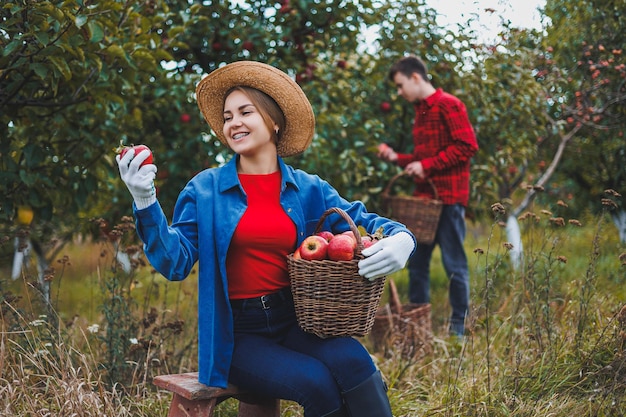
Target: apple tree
(584,71)
(77,78)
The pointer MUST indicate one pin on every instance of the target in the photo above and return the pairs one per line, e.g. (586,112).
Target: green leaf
(40,69)
(116,51)
(95,29)
(34,154)
(43,38)
(12,46)
(80,20)
(62,66)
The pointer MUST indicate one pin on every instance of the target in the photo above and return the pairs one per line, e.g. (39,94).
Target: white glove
(138,179)
(386,256)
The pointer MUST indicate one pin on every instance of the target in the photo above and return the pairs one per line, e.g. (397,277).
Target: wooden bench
(194,399)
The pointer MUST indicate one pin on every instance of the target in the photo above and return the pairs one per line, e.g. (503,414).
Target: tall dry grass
(545,339)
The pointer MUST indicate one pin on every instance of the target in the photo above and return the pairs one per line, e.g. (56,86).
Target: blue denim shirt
(204,220)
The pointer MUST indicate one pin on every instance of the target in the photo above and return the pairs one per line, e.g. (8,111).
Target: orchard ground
(547,339)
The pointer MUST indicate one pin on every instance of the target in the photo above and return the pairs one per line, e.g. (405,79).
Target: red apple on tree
(341,248)
(284,8)
(314,248)
(385,106)
(185,118)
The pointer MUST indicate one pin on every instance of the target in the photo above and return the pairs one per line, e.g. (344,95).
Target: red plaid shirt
(444,142)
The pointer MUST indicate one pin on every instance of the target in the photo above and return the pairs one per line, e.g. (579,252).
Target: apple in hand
(314,248)
(136,149)
(326,235)
(341,248)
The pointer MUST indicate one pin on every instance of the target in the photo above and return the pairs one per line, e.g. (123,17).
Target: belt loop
(264,300)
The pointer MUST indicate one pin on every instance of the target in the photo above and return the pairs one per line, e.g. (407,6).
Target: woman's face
(244,128)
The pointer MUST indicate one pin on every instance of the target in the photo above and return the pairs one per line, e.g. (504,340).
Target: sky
(521,13)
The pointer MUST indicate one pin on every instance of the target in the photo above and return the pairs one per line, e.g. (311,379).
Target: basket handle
(348,219)
(394,298)
(393,179)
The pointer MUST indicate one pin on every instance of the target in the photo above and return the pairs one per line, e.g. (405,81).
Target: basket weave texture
(330,297)
(402,328)
(419,214)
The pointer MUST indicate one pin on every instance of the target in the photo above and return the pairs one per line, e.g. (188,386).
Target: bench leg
(271,408)
(182,407)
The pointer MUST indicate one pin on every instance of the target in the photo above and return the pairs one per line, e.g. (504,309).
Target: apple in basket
(341,248)
(349,234)
(314,248)
(367,241)
(326,235)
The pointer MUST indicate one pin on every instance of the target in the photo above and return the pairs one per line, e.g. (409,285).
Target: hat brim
(299,117)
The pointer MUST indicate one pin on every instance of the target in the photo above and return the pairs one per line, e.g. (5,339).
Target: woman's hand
(138,179)
(386,256)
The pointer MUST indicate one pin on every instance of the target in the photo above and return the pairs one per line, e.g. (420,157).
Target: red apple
(351,236)
(296,254)
(341,248)
(342,64)
(326,235)
(314,248)
(383,148)
(137,149)
(300,78)
(185,118)
(248,45)
(284,6)
(385,106)
(367,241)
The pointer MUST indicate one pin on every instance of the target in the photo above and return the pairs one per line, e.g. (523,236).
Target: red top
(444,142)
(257,257)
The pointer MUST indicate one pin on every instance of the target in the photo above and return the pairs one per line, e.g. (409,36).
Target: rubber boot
(369,398)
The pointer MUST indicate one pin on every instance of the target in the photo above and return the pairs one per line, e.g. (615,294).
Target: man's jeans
(450,236)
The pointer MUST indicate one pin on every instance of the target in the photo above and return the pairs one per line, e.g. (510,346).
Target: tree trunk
(619,218)
(514,236)
(512,225)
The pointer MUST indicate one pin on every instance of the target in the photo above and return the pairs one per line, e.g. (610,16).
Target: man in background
(444,142)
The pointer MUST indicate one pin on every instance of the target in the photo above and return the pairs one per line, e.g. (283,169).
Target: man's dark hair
(407,66)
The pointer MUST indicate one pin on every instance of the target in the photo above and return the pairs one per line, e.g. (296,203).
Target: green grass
(546,339)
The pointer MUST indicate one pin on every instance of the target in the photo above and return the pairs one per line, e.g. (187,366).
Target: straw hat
(299,118)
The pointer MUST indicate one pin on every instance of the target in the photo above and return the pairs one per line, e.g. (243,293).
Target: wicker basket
(330,297)
(403,329)
(419,214)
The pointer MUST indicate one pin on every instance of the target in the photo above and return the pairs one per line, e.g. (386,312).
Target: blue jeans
(450,236)
(274,357)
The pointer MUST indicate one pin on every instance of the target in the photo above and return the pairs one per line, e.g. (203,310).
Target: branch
(532,192)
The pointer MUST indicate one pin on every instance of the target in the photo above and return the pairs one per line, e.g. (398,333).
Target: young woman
(239,222)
